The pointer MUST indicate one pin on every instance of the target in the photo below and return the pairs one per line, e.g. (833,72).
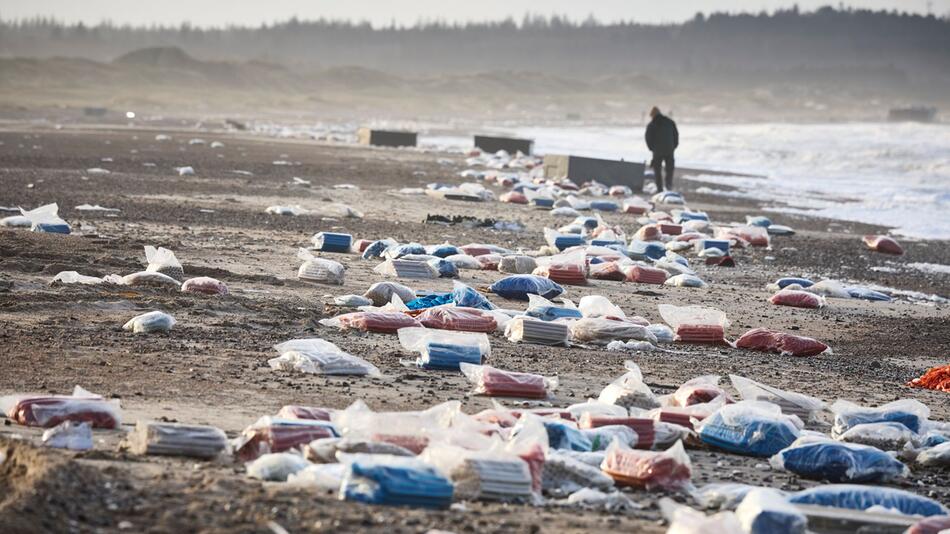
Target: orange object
(937,379)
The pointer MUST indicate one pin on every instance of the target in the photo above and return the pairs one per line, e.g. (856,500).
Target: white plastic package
(685,280)
(69,435)
(318,356)
(805,407)
(72,277)
(154,321)
(599,306)
(352,301)
(161,260)
(517,264)
(887,436)
(629,390)
(935,456)
(663,333)
(564,474)
(325,477)
(685,520)
(276,467)
(148,279)
(319,270)
(599,330)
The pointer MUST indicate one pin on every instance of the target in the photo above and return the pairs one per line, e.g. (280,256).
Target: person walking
(662,139)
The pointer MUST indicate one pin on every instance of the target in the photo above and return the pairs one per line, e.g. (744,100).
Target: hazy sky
(406,12)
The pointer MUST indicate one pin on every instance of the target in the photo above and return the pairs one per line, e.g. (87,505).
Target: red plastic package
(568,273)
(883,244)
(671,229)
(361,244)
(609,270)
(475,250)
(416,444)
(797,299)
(699,390)
(513,197)
(49,411)
(765,340)
(489,262)
(464,319)
(645,275)
(642,426)
(382,322)
(700,333)
(269,435)
(534,457)
(648,232)
(668,470)
(204,285)
(755,236)
(690,236)
(293,411)
(497,383)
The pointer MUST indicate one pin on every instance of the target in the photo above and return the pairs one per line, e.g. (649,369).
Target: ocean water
(896,175)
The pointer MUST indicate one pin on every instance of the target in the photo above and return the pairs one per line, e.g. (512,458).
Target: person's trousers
(657,165)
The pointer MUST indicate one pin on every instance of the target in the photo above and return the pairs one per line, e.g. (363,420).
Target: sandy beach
(211,368)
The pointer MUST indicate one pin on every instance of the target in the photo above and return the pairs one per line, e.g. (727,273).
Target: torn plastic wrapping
(825,459)
(884,244)
(751,428)
(695,324)
(860,497)
(602,436)
(562,241)
(765,340)
(319,270)
(569,268)
(629,390)
(154,321)
(46,219)
(803,406)
(464,262)
(172,439)
(517,264)
(324,477)
(668,470)
(445,350)
(599,330)
(377,249)
(599,306)
(50,410)
(410,430)
(162,260)
(204,285)
(498,383)
(381,322)
(765,511)
(908,412)
(273,434)
(797,299)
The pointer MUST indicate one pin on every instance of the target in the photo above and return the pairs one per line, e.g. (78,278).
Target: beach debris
(883,244)
(493,382)
(286,210)
(797,299)
(383,322)
(204,285)
(319,270)
(695,324)
(174,439)
(153,321)
(75,436)
(48,411)
(185,171)
(765,340)
(45,219)
(163,261)
(332,242)
(766,511)
(319,357)
(822,458)
(97,207)
(936,378)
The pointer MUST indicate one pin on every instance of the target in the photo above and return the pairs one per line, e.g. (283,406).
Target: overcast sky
(407,12)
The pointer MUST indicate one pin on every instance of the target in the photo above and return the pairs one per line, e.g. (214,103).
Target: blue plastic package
(721,244)
(446,269)
(51,228)
(782,283)
(443,251)
(759,220)
(448,356)
(864,293)
(908,412)
(467,297)
(604,205)
(404,250)
(684,216)
(543,202)
(767,511)
(839,462)
(551,313)
(610,243)
(643,250)
(566,241)
(332,242)
(563,436)
(429,301)
(856,497)
(400,484)
(587,222)
(376,249)
(750,428)
(519,286)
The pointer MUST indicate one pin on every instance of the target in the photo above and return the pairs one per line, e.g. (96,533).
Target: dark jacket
(662,136)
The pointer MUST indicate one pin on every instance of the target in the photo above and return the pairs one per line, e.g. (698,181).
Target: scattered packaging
(908,412)
(319,270)
(791,403)
(858,497)
(273,434)
(825,459)
(204,285)
(765,511)
(381,322)
(695,324)
(668,470)
(394,481)
(320,357)
(527,330)
(172,439)
(494,382)
(332,242)
(162,260)
(47,411)
(601,331)
(276,467)
(883,244)
(762,339)
(445,350)
(797,299)
(154,321)
(69,435)
(381,293)
(752,428)
(517,264)
(629,391)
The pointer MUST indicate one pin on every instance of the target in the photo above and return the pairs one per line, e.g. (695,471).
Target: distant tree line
(786,40)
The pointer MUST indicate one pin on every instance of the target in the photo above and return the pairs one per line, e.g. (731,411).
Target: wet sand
(212,367)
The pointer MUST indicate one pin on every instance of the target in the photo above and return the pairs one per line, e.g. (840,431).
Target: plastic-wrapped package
(394,481)
(294,411)
(50,410)
(765,511)
(154,321)
(600,330)
(324,477)
(147,279)
(885,436)
(69,435)
(276,467)
(684,416)
(829,288)
(377,249)
(16,221)
(756,236)
(699,390)
(381,293)
(527,330)
(513,197)
(604,205)
(931,525)
(908,412)
(395,252)
(724,495)
(273,434)
(445,350)
(320,270)
(645,250)
(467,297)
(630,346)
(797,299)
(542,308)
(859,497)
(751,428)
(645,275)
(456,318)
(648,232)
(685,280)
(685,520)
(477,249)
(517,264)
(610,270)
(494,382)
(162,260)
(636,205)
(564,474)
(489,262)
(644,428)
(352,301)
(171,439)
(790,402)
(883,244)
(323,362)
(569,269)
(758,220)
(782,283)
(864,293)
(442,251)
(762,339)
(410,430)
(561,240)
(563,435)
(695,324)
(409,269)
(938,455)
(668,470)
(285,210)
(599,306)
(670,229)
(494,475)
(332,242)
(663,333)
(519,286)
(72,277)
(360,245)
(46,219)
(464,262)
(601,437)
(325,450)
(629,390)
(204,285)
(382,322)
(824,459)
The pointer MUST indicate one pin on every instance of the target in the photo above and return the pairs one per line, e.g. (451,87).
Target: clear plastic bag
(663,333)
(162,260)
(402,268)
(565,435)
(51,410)
(828,288)
(46,219)
(381,322)
(457,318)
(825,459)
(445,350)
(568,268)
(629,390)
(762,339)
(860,497)
(542,308)
(790,402)
(466,297)
(723,495)
(695,324)
(325,477)
(908,412)
(325,450)
(377,249)
(599,306)
(204,285)
(323,363)
(564,474)
(412,430)
(517,264)
(685,520)
(171,439)
(751,428)
(319,270)
(381,293)
(668,470)
(599,330)
(885,436)
(464,261)
(332,242)
(765,511)
(274,434)
(494,474)
(685,280)
(524,329)
(72,277)
(295,411)
(276,467)
(153,321)
(395,252)
(69,435)
(148,279)
(352,301)
(938,455)
(601,437)
(494,382)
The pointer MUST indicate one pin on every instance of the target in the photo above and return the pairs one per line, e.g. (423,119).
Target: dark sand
(211,368)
